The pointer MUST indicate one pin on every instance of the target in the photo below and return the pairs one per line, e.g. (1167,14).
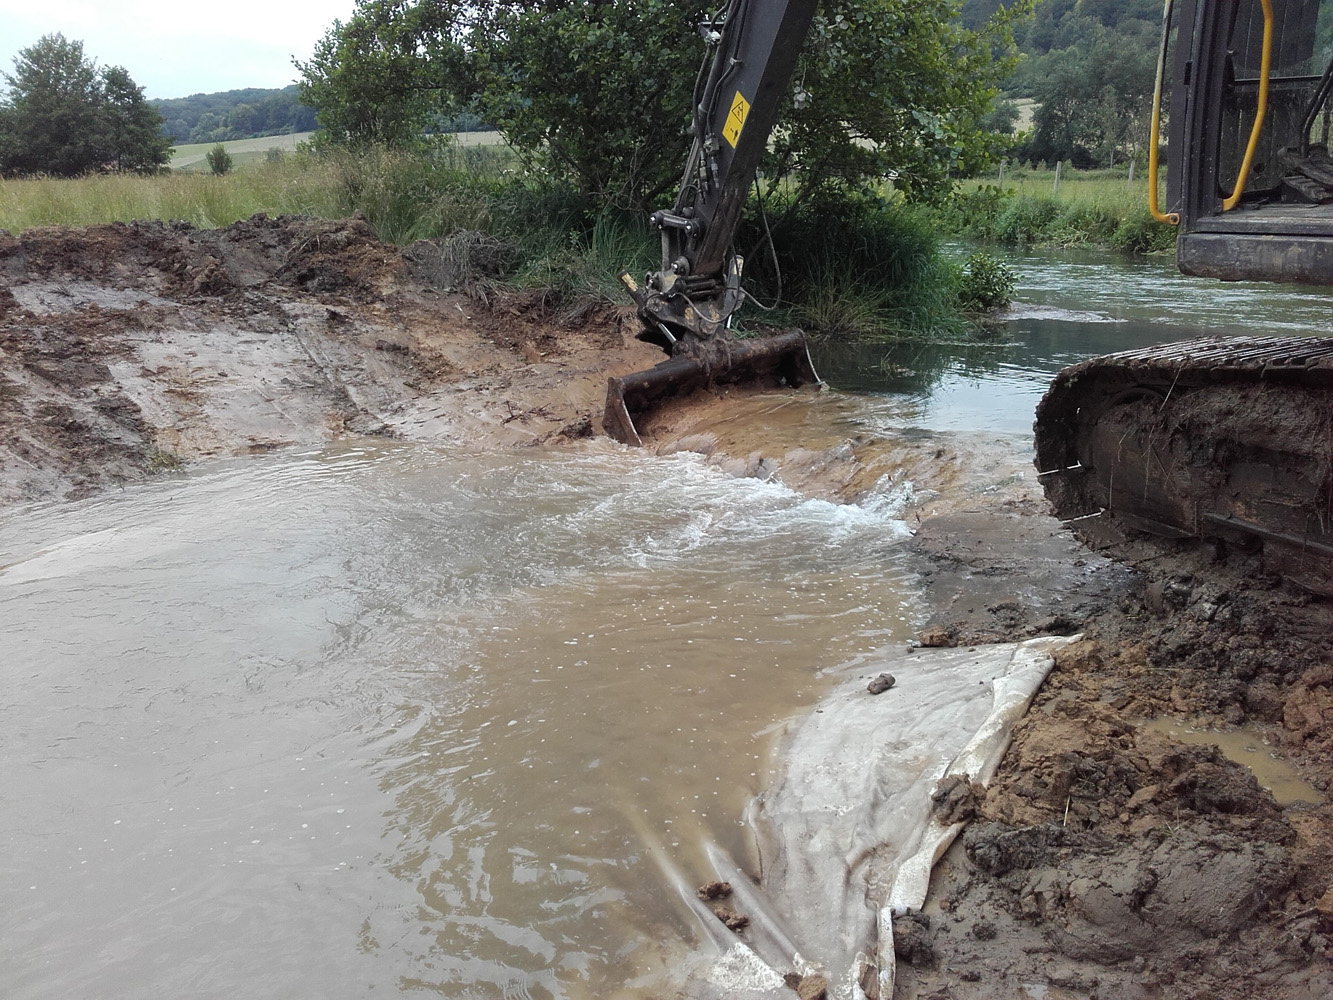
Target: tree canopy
(62,115)
(1090,68)
(599,93)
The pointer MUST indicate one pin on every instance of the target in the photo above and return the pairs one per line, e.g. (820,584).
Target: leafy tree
(130,126)
(51,111)
(379,77)
(1095,96)
(893,86)
(219,160)
(63,116)
(599,93)
(1002,118)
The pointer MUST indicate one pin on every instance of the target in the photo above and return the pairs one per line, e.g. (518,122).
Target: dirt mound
(1111,860)
(128,349)
(314,255)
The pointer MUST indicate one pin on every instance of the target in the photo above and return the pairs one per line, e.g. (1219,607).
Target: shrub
(219,160)
(1143,234)
(986,284)
(856,267)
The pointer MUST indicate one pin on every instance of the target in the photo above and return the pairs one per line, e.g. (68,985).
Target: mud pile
(129,349)
(1112,861)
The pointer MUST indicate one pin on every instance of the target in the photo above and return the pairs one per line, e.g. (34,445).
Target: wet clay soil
(1106,860)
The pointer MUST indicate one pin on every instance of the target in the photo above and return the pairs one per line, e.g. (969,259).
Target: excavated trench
(471,699)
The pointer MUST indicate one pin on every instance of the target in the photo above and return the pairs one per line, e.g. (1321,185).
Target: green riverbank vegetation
(1090,208)
(846,267)
(592,141)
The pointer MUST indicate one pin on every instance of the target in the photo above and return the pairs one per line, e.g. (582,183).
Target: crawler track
(1227,439)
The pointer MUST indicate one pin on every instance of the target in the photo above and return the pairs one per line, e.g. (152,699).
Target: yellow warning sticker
(740,108)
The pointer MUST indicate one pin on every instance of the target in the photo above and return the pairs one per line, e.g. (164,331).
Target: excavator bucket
(780,360)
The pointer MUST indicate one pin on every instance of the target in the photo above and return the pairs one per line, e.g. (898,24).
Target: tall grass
(859,267)
(293,186)
(1093,208)
(407,197)
(849,266)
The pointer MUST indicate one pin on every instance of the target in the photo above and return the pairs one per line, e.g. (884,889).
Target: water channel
(386,718)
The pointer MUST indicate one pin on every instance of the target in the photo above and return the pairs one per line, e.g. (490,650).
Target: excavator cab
(1250,179)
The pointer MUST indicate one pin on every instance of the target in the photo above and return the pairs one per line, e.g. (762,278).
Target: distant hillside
(235,114)
(1060,24)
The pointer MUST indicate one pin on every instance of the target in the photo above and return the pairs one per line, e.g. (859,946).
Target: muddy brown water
(381,718)
(391,717)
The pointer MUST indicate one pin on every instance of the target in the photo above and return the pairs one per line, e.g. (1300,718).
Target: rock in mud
(716,893)
(936,637)
(956,799)
(998,849)
(714,890)
(734,921)
(812,987)
(881,683)
(911,939)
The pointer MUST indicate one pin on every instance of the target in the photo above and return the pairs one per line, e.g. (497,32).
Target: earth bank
(1106,860)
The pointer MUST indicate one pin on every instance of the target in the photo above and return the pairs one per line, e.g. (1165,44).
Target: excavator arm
(686,307)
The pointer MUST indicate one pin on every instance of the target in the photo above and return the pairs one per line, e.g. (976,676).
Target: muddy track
(1107,859)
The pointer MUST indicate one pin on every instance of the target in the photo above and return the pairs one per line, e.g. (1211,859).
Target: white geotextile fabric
(846,836)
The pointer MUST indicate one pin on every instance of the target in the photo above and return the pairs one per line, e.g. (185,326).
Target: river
(387,718)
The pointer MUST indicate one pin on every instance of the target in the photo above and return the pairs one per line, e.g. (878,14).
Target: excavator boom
(686,307)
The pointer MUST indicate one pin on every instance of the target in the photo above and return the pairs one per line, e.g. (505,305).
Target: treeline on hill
(1090,66)
(235,114)
(253,113)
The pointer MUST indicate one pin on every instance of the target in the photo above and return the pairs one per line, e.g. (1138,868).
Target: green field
(409,197)
(1092,208)
(1095,189)
(190,157)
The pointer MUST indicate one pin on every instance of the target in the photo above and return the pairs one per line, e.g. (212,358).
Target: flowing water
(1069,306)
(387,718)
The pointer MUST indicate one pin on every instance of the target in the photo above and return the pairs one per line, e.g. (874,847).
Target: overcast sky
(173,48)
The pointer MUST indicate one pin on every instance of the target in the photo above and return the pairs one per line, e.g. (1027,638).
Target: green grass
(407,197)
(243,151)
(1092,208)
(852,266)
(860,268)
(201,199)
(190,156)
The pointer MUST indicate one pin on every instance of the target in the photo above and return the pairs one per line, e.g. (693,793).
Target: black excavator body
(1229,440)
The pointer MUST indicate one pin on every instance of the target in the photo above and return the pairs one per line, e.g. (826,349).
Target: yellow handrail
(1265,69)
(1154,139)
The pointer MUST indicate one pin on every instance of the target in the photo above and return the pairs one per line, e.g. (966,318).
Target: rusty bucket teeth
(780,360)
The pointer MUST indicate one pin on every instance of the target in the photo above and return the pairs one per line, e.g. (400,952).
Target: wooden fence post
(1058,165)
